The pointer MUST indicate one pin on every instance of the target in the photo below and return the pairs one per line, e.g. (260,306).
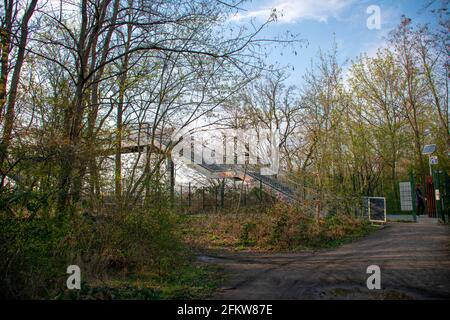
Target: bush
(290,226)
(37,248)
(283,226)
(296,227)
(34,256)
(145,237)
(245,237)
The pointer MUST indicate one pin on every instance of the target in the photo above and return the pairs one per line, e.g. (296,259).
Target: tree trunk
(12,94)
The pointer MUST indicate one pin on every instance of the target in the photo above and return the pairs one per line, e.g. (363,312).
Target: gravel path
(414,259)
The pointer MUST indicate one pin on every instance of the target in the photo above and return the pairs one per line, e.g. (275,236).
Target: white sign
(437,194)
(433,160)
(406,203)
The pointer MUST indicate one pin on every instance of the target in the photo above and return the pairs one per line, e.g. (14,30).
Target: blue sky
(318,21)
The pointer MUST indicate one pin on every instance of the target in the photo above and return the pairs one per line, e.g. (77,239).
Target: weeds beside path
(282,228)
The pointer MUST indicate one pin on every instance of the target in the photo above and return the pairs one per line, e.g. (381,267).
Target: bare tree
(14,25)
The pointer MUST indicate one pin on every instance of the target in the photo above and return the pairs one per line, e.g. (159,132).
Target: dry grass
(281,227)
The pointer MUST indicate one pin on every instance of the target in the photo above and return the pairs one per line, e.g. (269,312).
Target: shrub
(146,237)
(34,256)
(37,248)
(245,238)
(283,226)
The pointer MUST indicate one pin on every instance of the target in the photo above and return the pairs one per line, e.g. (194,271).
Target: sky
(319,21)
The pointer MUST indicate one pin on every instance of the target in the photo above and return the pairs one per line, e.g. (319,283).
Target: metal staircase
(286,191)
(283,190)
(140,136)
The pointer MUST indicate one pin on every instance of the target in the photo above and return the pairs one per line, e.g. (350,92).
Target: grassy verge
(191,281)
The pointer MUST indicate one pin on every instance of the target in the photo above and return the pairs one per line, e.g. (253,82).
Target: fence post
(181,197)
(203,199)
(437,186)
(413,195)
(222,193)
(216,191)
(189,195)
(260,191)
(172,181)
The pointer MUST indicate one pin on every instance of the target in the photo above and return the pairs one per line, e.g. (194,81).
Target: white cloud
(289,11)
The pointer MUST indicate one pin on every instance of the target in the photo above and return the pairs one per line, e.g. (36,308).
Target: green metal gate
(441,181)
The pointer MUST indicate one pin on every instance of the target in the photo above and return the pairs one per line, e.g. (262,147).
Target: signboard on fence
(406,201)
(433,160)
(377,209)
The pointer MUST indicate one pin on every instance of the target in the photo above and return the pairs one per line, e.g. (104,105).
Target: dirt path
(414,261)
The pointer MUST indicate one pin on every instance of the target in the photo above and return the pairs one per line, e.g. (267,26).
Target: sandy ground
(414,259)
